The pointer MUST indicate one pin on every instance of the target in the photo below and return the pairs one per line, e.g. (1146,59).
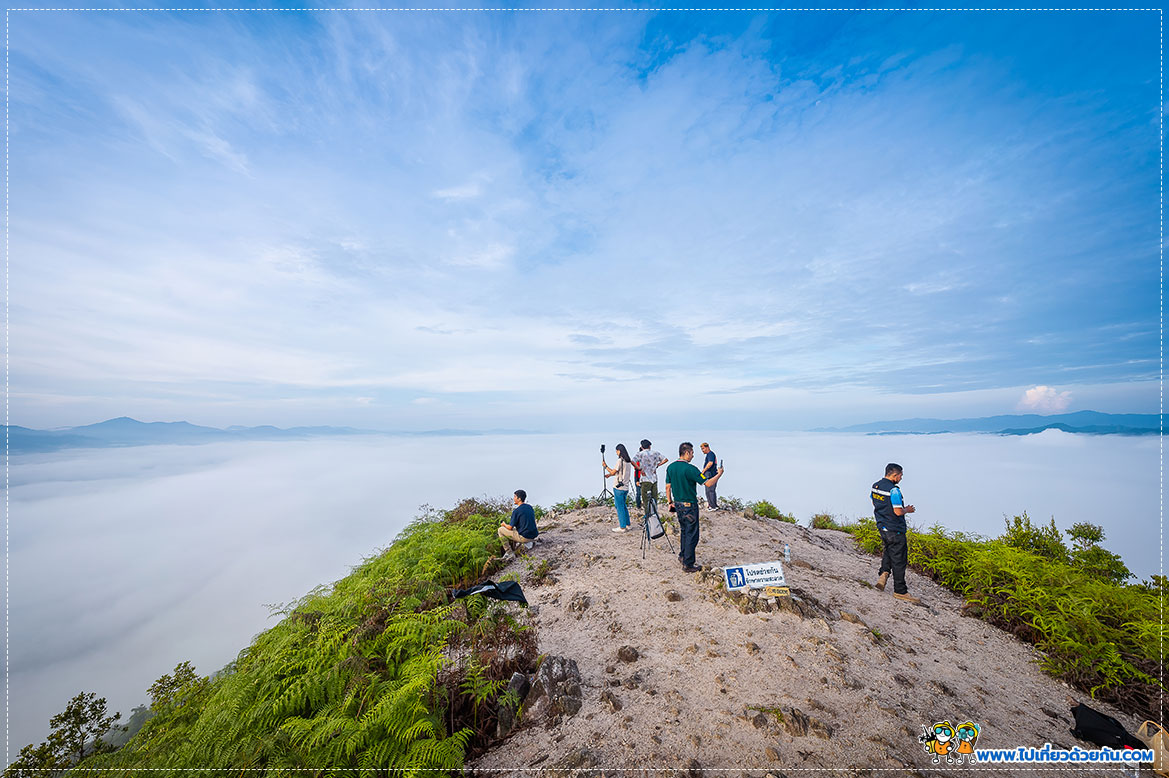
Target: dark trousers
(688,525)
(711,497)
(637,493)
(895,558)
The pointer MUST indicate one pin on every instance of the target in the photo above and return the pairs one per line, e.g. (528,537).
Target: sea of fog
(125,561)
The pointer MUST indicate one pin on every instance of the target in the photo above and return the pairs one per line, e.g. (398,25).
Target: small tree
(173,690)
(45,759)
(1085,535)
(1091,558)
(83,720)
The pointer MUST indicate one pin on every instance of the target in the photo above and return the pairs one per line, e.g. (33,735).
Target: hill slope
(844,677)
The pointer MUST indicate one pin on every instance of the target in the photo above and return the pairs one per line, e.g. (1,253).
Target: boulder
(555,692)
(517,689)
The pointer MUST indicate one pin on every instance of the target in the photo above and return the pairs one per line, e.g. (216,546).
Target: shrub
(767,510)
(825,521)
(727,502)
(1044,541)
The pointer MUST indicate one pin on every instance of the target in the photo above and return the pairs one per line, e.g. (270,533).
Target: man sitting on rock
(521,527)
(681,478)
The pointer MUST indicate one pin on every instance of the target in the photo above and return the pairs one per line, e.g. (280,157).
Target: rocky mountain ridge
(647,667)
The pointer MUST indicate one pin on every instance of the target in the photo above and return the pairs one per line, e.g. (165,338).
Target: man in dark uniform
(889,510)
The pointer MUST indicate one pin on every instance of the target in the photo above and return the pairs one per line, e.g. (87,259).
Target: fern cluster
(381,672)
(1101,636)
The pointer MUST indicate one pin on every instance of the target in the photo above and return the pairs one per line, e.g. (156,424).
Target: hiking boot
(907,598)
(694,569)
(881,580)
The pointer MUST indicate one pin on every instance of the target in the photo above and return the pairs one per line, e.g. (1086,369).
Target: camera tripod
(651,509)
(604,480)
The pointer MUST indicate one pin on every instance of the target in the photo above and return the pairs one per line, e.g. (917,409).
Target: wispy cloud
(295,211)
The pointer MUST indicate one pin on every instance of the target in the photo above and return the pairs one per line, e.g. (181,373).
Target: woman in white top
(624,473)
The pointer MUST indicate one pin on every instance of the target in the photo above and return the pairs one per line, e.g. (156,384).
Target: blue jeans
(688,526)
(619,498)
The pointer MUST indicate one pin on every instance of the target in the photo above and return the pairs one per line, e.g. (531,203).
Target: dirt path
(854,674)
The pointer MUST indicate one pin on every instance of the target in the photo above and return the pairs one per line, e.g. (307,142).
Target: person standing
(649,461)
(521,527)
(889,510)
(681,477)
(709,468)
(624,474)
(637,480)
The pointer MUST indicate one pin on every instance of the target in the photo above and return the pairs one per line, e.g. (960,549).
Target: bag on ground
(1102,729)
(1154,736)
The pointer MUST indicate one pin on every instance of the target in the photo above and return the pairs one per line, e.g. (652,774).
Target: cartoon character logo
(967,736)
(939,741)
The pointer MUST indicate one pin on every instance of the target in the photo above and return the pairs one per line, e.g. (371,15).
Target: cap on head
(645,444)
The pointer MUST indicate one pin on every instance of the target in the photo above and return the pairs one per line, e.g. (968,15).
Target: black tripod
(651,509)
(604,479)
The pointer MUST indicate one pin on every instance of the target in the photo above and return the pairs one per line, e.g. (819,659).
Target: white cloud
(1044,399)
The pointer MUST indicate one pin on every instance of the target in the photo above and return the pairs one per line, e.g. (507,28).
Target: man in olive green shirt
(681,479)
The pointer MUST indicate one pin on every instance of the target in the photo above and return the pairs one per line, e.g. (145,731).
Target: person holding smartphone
(709,468)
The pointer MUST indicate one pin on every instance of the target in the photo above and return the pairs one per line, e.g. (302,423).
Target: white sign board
(755,576)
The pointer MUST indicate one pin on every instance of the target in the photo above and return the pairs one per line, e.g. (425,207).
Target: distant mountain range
(125,431)
(1087,422)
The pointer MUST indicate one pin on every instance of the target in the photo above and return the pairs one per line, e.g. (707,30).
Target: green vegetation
(826,521)
(585,502)
(1099,634)
(381,672)
(729,503)
(764,508)
(77,732)
(542,573)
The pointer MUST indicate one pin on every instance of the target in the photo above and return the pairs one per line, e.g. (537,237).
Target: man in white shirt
(649,461)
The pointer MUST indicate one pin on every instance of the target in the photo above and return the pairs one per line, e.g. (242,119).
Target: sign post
(759,576)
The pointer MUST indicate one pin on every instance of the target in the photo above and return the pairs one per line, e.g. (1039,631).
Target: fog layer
(124,562)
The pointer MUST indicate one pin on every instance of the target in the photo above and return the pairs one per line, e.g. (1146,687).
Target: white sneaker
(619,529)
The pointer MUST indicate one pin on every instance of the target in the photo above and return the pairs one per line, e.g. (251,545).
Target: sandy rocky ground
(841,679)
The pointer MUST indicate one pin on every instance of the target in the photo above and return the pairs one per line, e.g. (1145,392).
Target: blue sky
(549,220)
